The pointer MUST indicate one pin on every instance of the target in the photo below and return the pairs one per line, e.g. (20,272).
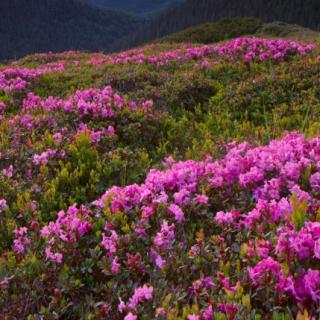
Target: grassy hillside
(284,30)
(173,181)
(58,25)
(229,28)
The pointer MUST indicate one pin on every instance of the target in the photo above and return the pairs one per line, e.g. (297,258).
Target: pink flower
(182,197)
(266,266)
(317,249)
(263,248)
(160,263)
(111,131)
(304,243)
(193,317)
(57,257)
(121,306)
(148,104)
(3,204)
(115,265)
(68,227)
(110,243)
(312,284)
(58,137)
(201,199)
(4,282)
(224,218)
(254,175)
(8,172)
(177,212)
(21,241)
(249,57)
(163,238)
(208,313)
(44,157)
(315,181)
(140,294)
(130,316)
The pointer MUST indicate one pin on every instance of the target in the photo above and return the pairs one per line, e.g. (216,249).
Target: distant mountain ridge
(189,13)
(29,26)
(142,7)
(32,26)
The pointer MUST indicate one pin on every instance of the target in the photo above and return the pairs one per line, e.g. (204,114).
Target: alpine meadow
(177,179)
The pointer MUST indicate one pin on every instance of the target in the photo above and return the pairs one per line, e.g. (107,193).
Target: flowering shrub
(247,49)
(18,79)
(226,231)
(280,208)
(92,102)
(235,237)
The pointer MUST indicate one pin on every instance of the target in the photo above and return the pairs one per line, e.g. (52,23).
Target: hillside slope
(167,182)
(215,31)
(189,13)
(228,28)
(28,26)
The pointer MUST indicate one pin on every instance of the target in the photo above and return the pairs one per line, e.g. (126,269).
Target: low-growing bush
(192,238)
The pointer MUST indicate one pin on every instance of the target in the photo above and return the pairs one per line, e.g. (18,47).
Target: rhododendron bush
(18,79)
(166,182)
(247,49)
(242,232)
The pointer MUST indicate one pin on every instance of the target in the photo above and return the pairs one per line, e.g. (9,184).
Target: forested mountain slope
(28,26)
(136,6)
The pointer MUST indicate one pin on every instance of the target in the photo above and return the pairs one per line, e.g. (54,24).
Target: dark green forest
(28,26)
(143,7)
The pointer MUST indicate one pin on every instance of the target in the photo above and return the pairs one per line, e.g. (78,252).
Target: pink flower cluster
(95,136)
(110,243)
(305,287)
(267,267)
(141,294)
(165,236)
(3,204)
(22,240)
(68,228)
(8,172)
(302,244)
(16,79)
(95,103)
(43,158)
(271,174)
(247,49)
